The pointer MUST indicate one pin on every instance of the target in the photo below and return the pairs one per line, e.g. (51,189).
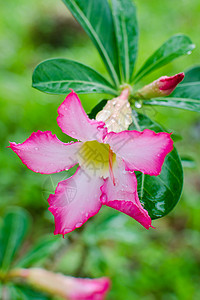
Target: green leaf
(159,194)
(96,19)
(173,48)
(15,226)
(185,96)
(188,162)
(126,28)
(190,90)
(43,249)
(97,108)
(27,293)
(57,75)
(192,75)
(188,104)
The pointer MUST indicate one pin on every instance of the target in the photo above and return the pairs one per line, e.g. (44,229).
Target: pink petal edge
(123,195)
(44,153)
(141,151)
(71,212)
(73,121)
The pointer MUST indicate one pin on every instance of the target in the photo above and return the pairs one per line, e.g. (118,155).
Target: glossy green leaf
(97,108)
(15,226)
(192,75)
(190,90)
(27,293)
(126,28)
(96,19)
(159,194)
(42,250)
(173,48)
(188,104)
(185,96)
(188,162)
(57,76)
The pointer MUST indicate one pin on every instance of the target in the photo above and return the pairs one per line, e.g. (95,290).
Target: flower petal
(76,199)
(123,195)
(67,287)
(89,289)
(43,152)
(73,121)
(142,151)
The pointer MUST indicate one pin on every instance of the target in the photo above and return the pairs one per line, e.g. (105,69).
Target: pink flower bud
(65,286)
(163,86)
(168,84)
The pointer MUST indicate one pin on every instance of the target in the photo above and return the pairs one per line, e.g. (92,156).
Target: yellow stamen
(96,158)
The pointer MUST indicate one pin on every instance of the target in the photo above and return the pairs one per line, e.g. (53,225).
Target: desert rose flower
(67,287)
(161,87)
(106,165)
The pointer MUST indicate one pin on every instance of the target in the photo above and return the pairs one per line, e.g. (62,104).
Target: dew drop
(36,148)
(86,215)
(138,104)
(78,225)
(189,52)
(103,198)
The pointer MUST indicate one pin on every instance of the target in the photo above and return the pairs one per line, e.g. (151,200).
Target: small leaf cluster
(14,229)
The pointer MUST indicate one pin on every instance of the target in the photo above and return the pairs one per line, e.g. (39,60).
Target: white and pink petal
(44,153)
(122,195)
(75,200)
(73,120)
(142,151)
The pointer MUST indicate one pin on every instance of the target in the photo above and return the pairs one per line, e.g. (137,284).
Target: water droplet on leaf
(138,104)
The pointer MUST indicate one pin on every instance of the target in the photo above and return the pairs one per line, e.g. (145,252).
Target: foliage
(13,231)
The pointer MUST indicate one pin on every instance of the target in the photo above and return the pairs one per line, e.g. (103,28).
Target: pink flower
(66,287)
(107,161)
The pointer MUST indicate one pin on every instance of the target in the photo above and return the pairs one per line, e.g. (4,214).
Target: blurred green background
(156,264)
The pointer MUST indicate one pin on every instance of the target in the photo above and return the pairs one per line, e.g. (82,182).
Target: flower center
(97,159)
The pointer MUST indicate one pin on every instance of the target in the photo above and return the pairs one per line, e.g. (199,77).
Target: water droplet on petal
(78,225)
(36,148)
(103,199)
